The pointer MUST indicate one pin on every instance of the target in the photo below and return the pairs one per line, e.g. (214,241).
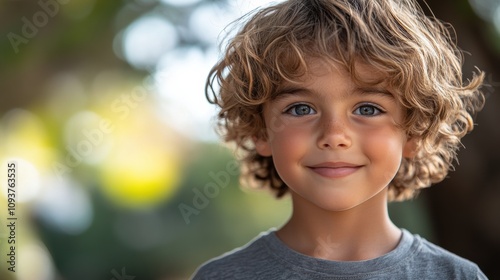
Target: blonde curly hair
(417,53)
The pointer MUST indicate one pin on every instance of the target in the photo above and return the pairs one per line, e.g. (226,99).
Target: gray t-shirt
(267,257)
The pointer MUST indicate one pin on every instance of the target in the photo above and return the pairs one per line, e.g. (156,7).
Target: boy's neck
(361,233)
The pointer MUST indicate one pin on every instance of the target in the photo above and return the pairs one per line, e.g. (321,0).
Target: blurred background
(120,172)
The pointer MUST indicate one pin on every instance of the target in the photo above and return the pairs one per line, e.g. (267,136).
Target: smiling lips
(334,169)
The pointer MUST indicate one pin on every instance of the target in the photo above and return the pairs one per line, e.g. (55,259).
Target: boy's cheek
(275,124)
(288,138)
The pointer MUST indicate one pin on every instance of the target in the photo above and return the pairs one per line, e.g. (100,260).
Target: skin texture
(337,146)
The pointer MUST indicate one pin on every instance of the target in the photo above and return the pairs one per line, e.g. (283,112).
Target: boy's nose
(334,134)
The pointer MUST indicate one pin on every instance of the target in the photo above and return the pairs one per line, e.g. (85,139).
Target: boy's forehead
(364,73)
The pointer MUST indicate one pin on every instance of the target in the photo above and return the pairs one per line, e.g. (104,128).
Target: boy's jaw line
(334,170)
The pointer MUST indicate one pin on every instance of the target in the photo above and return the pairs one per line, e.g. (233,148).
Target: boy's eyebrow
(375,90)
(287,90)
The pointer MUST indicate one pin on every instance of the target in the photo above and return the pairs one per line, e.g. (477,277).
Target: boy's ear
(262,146)
(410,147)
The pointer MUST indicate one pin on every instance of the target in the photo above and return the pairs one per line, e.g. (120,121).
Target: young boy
(345,105)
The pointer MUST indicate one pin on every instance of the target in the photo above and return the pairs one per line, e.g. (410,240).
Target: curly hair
(417,54)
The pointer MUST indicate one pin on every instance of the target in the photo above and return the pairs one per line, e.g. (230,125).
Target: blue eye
(367,110)
(300,110)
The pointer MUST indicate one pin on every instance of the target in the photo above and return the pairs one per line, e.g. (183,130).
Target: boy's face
(335,145)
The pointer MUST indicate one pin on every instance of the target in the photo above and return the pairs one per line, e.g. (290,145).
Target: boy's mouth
(334,169)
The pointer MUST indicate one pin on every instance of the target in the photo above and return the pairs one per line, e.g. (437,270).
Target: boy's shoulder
(443,262)
(241,263)
(265,257)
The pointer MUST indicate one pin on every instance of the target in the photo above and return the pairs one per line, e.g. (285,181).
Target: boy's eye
(300,110)
(367,110)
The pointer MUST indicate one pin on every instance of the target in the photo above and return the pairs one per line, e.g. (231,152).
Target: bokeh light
(147,39)
(180,2)
(65,206)
(141,170)
(180,78)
